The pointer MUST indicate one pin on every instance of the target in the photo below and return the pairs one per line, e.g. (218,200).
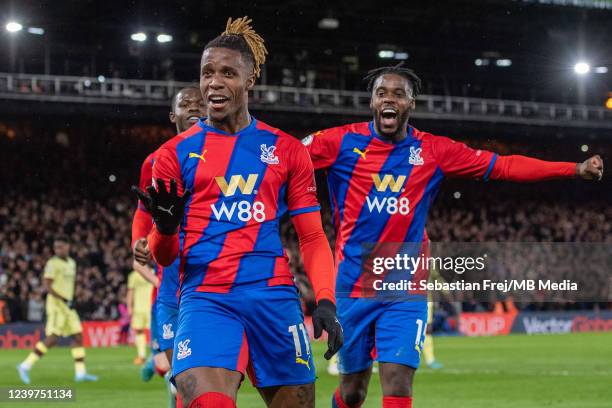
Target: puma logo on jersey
(168,210)
(359,152)
(198,156)
(299,360)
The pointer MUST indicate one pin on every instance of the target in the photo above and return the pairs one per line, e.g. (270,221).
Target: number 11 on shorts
(296,339)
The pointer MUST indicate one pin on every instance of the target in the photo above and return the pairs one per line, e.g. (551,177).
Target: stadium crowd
(43,195)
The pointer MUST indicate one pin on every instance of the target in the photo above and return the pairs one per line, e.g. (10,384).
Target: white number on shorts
(296,339)
(420,329)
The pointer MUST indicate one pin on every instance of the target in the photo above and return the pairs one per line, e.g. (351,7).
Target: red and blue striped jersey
(168,276)
(242,185)
(380,192)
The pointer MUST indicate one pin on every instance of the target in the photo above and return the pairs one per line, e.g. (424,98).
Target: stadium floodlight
(329,23)
(164,38)
(13,27)
(139,37)
(584,148)
(479,62)
(609,103)
(101,79)
(385,54)
(36,30)
(503,62)
(401,56)
(582,68)
(601,70)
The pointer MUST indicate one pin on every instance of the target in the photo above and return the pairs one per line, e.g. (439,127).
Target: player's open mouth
(192,119)
(388,117)
(217,101)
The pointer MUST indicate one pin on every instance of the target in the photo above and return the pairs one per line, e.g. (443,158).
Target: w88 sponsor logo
(242,210)
(389,205)
(239,210)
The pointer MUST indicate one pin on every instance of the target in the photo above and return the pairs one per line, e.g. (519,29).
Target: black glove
(166,207)
(324,318)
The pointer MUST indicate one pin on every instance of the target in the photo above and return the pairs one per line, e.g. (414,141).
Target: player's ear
(412,105)
(172,117)
(250,82)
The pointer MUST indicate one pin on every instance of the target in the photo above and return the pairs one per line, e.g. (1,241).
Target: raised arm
(458,160)
(166,203)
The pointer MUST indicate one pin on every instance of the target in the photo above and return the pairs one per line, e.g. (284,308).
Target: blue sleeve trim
(304,210)
(490,168)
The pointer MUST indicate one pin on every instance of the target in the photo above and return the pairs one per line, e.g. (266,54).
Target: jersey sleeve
(166,167)
(301,185)
(456,159)
(142,222)
(525,169)
(323,147)
(49,272)
(146,176)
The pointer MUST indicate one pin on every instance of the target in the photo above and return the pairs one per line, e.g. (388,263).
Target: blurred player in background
(382,177)
(62,319)
(139,307)
(428,343)
(187,107)
(239,304)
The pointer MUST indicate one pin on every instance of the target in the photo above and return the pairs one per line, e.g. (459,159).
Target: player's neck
(232,124)
(396,137)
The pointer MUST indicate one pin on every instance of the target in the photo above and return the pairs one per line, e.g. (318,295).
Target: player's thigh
(196,381)
(168,354)
(302,396)
(73,325)
(278,342)
(56,322)
(166,320)
(400,333)
(209,334)
(358,318)
(139,321)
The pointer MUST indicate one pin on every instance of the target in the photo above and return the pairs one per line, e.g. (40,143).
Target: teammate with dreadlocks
(221,189)
(382,177)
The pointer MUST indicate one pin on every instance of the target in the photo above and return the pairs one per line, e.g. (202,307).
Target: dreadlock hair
(175,95)
(407,73)
(240,36)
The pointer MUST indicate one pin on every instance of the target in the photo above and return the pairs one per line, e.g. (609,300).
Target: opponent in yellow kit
(139,306)
(62,319)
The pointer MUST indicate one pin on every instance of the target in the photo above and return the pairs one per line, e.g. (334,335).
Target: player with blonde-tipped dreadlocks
(238,302)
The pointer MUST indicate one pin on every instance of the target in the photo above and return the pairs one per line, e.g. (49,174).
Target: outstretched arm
(458,160)
(526,169)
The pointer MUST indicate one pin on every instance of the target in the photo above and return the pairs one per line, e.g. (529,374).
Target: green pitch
(514,371)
